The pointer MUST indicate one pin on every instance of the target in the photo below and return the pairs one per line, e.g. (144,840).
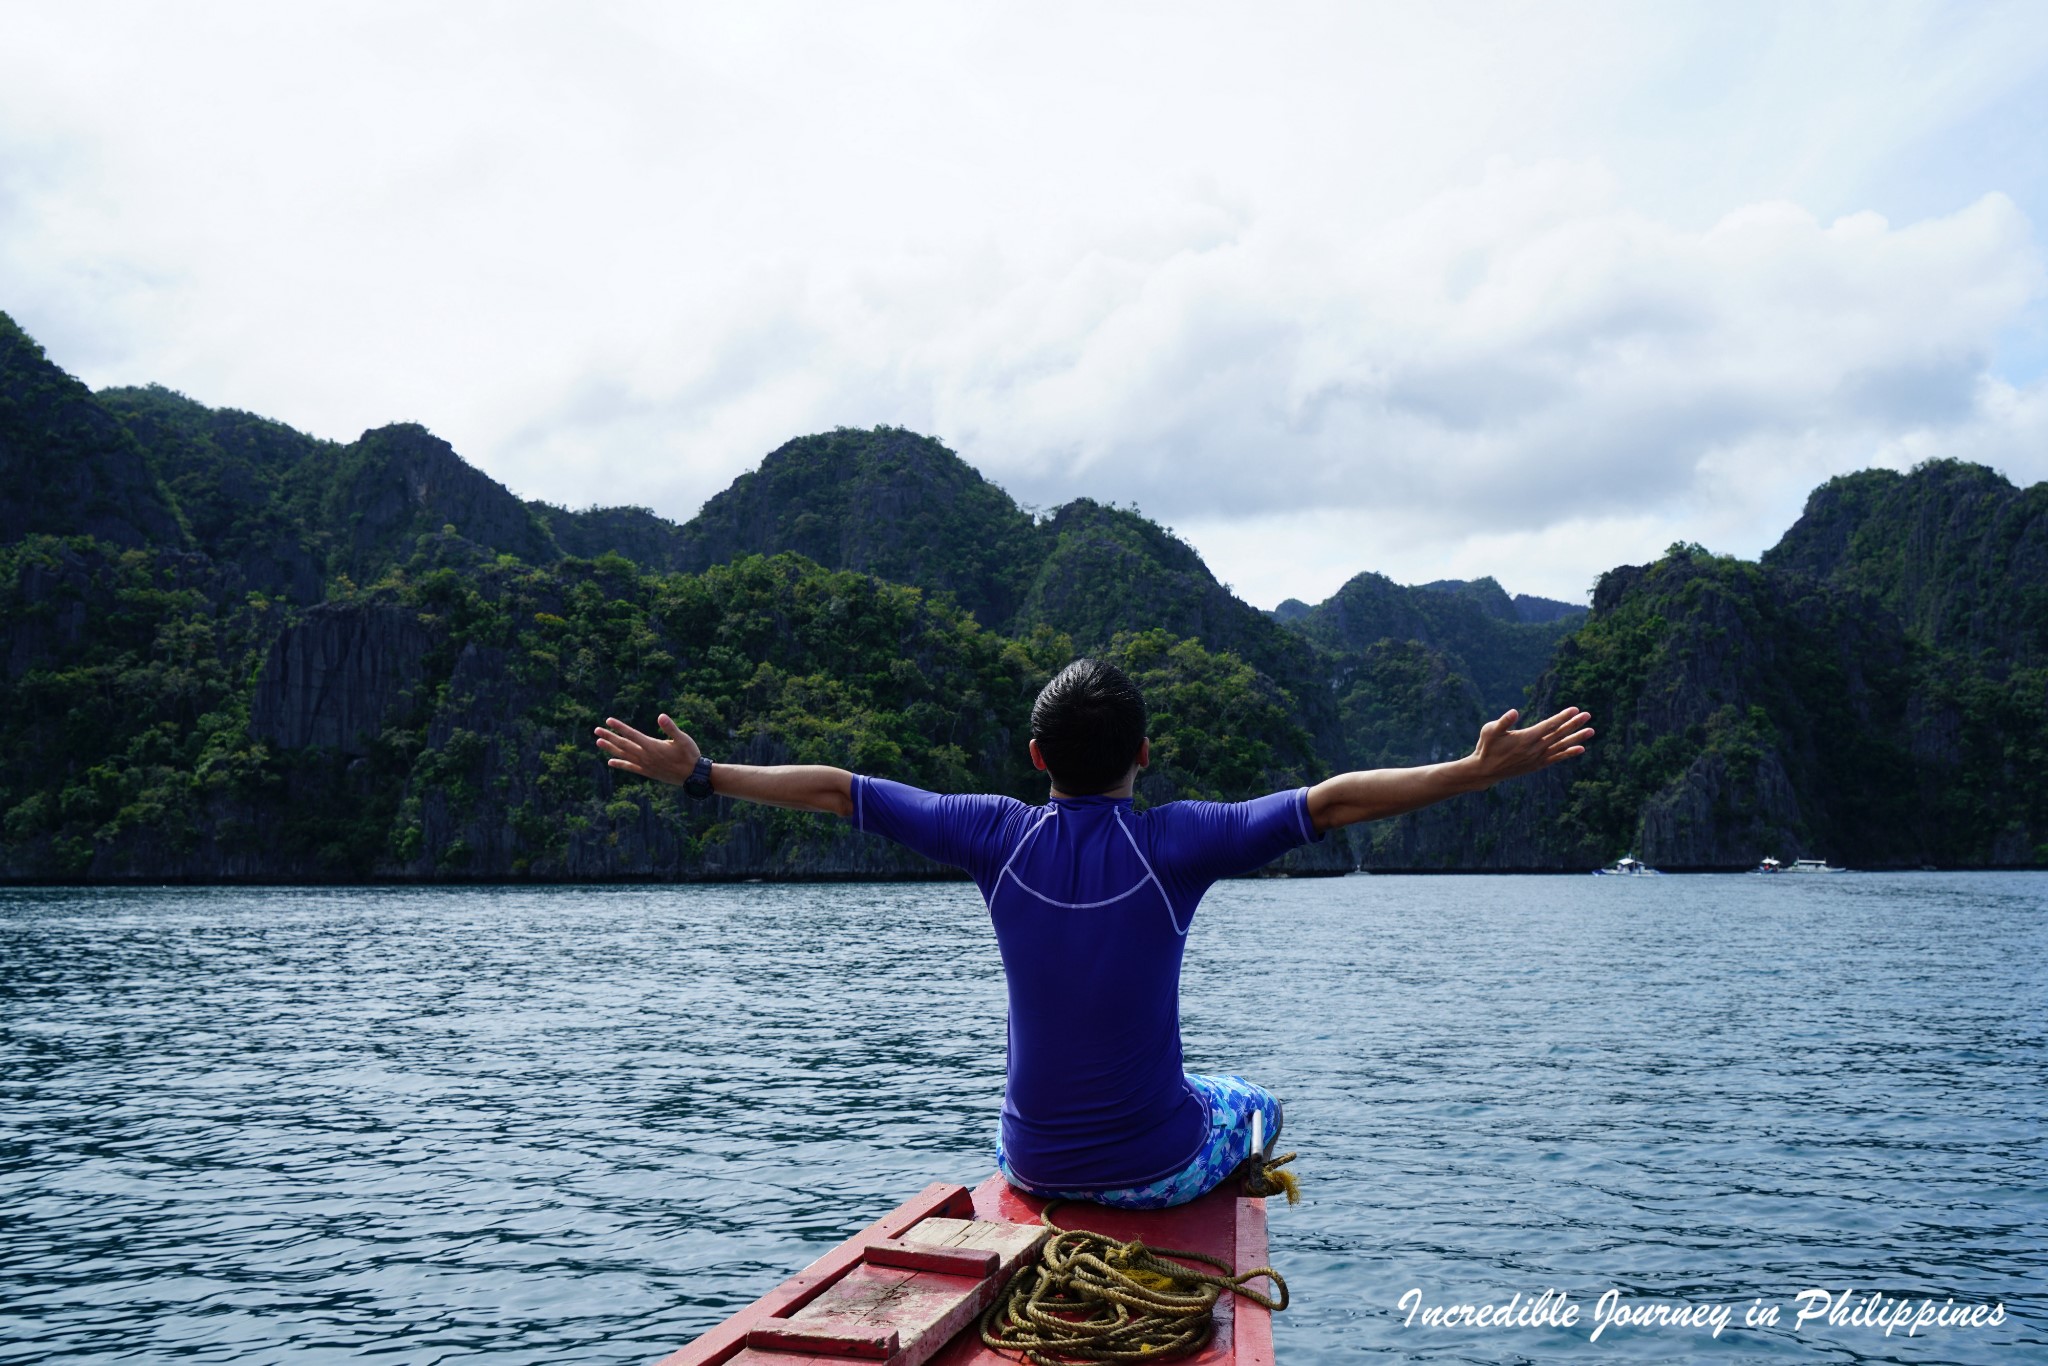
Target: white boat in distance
(1627,866)
(1799,865)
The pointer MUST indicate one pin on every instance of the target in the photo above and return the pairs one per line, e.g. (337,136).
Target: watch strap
(698,784)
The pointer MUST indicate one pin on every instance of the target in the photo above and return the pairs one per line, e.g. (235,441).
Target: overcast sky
(1439,291)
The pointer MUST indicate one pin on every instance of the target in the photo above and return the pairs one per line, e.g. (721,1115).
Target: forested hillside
(234,651)
(303,660)
(1873,692)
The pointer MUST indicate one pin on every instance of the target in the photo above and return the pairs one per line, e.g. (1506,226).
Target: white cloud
(1450,291)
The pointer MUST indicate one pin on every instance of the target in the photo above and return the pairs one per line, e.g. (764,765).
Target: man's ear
(1037,757)
(1144,751)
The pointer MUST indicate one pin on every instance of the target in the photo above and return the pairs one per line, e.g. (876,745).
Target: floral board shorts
(1231,1102)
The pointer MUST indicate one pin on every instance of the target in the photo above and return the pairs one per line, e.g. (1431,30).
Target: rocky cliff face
(1106,570)
(1403,702)
(1535,611)
(67,467)
(1725,811)
(227,473)
(1743,712)
(401,482)
(1956,552)
(1110,572)
(1475,625)
(339,675)
(640,535)
(886,502)
(53,607)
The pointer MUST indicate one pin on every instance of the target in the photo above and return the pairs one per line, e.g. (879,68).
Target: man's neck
(1121,792)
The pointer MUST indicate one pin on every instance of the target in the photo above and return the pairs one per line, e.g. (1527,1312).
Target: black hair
(1089,722)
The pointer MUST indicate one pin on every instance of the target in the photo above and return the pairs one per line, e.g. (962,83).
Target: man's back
(1091,902)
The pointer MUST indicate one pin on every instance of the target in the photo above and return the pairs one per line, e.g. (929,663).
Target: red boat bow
(910,1287)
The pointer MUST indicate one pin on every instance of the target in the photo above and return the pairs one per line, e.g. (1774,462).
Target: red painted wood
(950,1261)
(1253,1342)
(835,1338)
(724,1342)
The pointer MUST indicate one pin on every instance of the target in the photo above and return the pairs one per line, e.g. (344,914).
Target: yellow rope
(1090,1298)
(1265,1177)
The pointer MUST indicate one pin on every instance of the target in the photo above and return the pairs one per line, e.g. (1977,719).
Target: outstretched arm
(804,787)
(1374,794)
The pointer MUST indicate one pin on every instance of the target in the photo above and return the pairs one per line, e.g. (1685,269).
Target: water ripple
(432,1125)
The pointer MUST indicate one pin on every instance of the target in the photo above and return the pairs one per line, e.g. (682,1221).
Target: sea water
(582,1125)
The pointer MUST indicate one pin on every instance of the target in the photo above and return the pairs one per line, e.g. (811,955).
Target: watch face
(698,784)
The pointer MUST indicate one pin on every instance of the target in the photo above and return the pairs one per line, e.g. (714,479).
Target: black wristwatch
(698,784)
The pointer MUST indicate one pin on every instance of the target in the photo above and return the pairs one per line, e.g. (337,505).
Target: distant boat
(1799,865)
(1627,866)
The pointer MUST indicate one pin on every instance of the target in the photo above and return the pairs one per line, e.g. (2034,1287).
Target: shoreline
(871,877)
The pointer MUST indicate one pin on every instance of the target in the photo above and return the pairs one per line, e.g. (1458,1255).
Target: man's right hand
(665,760)
(1504,752)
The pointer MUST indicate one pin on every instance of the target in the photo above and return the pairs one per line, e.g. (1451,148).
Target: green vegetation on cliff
(1953,550)
(1476,627)
(1219,728)
(437,722)
(471,753)
(1747,709)
(885,502)
(1958,558)
(235,651)
(126,702)
(1746,713)
(67,465)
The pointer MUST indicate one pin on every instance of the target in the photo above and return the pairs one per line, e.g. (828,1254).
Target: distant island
(235,652)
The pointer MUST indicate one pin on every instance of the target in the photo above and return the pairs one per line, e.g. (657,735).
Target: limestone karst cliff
(233,651)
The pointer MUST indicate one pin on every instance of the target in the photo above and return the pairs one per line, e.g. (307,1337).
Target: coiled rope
(1090,1298)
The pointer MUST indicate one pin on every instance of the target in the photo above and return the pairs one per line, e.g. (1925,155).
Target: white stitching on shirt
(1150,876)
(1171,918)
(1036,826)
(1074,905)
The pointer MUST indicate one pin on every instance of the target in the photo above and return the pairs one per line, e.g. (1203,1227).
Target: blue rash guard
(1091,903)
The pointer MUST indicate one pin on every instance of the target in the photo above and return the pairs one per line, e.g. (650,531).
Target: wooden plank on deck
(724,1342)
(897,1313)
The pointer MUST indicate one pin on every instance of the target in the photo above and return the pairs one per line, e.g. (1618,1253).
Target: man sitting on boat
(1091,902)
